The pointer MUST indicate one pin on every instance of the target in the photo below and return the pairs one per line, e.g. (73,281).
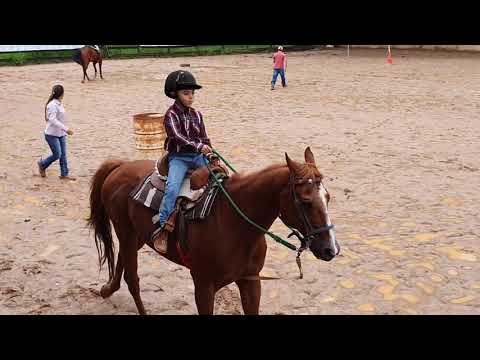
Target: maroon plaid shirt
(185,130)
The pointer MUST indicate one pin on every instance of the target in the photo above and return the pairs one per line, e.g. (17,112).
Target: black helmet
(179,80)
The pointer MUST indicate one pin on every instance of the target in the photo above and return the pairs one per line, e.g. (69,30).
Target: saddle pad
(151,197)
(203,206)
(147,194)
(187,193)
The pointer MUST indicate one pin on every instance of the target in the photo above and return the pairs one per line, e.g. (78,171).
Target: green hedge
(20,58)
(133,51)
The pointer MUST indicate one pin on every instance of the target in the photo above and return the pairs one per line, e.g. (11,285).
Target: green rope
(225,161)
(235,171)
(265,231)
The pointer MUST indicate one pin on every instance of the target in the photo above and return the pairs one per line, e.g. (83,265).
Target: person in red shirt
(279,67)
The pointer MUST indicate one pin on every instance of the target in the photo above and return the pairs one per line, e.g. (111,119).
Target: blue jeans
(178,165)
(277,72)
(58,145)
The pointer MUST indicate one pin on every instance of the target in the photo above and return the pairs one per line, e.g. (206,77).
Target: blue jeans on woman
(58,145)
(178,165)
(280,72)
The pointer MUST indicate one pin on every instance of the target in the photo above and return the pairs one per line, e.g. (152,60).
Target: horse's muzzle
(327,255)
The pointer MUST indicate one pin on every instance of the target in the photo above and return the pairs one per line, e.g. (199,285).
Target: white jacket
(56,119)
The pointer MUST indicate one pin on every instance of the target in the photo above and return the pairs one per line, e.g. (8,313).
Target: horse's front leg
(100,68)
(204,296)
(95,67)
(250,292)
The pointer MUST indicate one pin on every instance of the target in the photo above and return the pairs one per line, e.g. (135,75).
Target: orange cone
(389,56)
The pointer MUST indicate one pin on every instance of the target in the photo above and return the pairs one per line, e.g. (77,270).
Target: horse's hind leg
(84,73)
(129,257)
(250,292)
(95,67)
(114,284)
(85,67)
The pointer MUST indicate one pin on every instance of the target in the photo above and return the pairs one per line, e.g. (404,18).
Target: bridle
(299,205)
(305,240)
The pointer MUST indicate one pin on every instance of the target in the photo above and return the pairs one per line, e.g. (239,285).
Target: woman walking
(56,134)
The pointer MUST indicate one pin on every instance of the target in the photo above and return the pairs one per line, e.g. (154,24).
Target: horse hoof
(105,291)
(83,81)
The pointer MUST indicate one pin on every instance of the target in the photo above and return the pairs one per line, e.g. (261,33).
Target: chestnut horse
(86,55)
(223,248)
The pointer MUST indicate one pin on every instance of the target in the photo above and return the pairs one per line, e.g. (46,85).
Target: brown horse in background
(84,56)
(223,248)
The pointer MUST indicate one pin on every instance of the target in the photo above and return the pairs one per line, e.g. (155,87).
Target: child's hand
(206,149)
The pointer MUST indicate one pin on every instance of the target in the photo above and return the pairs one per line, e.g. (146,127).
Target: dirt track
(399,146)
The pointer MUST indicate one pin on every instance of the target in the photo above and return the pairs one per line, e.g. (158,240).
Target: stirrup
(162,247)
(155,233)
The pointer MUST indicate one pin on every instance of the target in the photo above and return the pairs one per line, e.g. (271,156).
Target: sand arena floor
(398,145)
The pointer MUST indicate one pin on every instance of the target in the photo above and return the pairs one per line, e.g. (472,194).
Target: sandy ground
(399,146)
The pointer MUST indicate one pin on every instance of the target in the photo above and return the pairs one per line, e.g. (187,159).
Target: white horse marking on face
(331,232)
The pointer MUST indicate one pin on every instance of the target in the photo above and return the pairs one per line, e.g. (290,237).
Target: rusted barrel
(149,131)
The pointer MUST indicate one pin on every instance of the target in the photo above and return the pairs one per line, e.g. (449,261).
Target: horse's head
(304,206)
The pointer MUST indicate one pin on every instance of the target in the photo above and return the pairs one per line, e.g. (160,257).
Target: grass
(133,51)
(21,58)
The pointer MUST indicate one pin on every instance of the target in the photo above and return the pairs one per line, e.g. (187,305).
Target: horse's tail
(77,56)
(99,220)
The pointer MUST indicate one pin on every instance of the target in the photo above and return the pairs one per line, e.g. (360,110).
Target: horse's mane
(247,175)
(304,172)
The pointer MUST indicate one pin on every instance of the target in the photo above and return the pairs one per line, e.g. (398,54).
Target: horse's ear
(309,156)
(292,165)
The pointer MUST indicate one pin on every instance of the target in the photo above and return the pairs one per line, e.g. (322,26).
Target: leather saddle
(194,203)
(198,178)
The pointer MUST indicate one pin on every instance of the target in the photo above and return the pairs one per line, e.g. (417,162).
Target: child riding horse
(223,248)
(187,143)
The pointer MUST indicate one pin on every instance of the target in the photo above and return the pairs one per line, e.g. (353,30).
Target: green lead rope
(231,168)
(225,161)
(234,205)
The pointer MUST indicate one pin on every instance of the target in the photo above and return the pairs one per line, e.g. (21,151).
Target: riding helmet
(180,80)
